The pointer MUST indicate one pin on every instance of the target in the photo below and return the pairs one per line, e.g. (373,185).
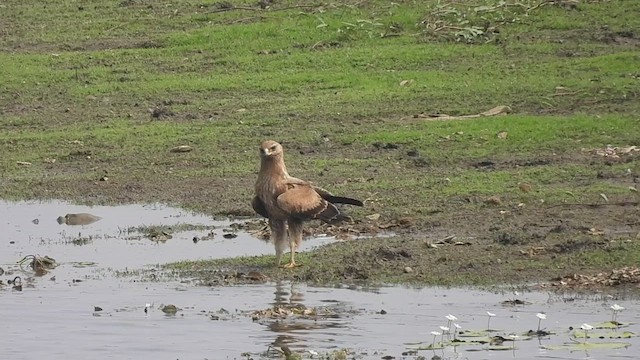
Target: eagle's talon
(290,265)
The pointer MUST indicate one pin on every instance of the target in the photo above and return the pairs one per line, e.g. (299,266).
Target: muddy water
(54,316)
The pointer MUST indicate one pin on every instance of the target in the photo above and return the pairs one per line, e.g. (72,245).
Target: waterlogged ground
(86,308)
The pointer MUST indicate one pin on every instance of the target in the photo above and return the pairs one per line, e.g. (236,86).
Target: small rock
(181,149)
(524,187)
(97,308)
(502,135)
(78,219)
(373,217)
(170,309)
(493,200)
(408,269)
(383,312)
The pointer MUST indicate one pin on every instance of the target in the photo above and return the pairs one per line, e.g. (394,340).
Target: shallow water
(53,316)
(111,245)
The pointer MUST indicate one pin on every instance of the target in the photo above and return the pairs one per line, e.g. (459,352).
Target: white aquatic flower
(616,307)
(451,317)
(514,337)
(456,327)
(435,334)
(586,327)
(313,352)
(147,305)
(540,316)
(490,314)
(444,328)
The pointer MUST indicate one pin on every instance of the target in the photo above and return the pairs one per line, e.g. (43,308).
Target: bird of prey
(288,201)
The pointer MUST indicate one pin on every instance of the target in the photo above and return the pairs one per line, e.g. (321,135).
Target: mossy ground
(95,95)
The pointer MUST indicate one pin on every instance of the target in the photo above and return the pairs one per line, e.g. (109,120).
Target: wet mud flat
(84,306)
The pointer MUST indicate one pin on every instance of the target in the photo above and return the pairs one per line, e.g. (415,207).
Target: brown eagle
(287,201)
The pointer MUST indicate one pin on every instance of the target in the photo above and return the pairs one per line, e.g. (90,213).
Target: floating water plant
(514,337)
(616,309)
(490,315)
(587,346)
(435,334)
(445,330)
(540,316)
(450,318)
(456,327)
(586,327)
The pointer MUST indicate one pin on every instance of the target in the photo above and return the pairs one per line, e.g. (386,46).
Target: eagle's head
(270,148)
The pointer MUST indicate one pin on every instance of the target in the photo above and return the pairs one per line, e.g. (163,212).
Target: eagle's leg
(295,238)
(279,238)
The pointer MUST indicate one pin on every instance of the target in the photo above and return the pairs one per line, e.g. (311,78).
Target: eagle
(287,202)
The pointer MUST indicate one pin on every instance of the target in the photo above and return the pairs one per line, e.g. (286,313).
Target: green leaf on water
(587,346)
(500,347)
(84,264)
(603,334)
(610,325)
(476,333)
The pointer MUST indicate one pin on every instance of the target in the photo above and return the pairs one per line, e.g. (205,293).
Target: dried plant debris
(39,264)
(482,23)
(260,228)
(614,152)
(158,234)
(624,276)
(299,311)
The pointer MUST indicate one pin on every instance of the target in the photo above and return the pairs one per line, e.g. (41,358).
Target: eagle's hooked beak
(264,152)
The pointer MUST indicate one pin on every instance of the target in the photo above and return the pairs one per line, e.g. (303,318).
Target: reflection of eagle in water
(287,201)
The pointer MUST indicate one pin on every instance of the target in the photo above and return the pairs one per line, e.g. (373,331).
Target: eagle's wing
(325,194)
(258,206)
(300,200)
